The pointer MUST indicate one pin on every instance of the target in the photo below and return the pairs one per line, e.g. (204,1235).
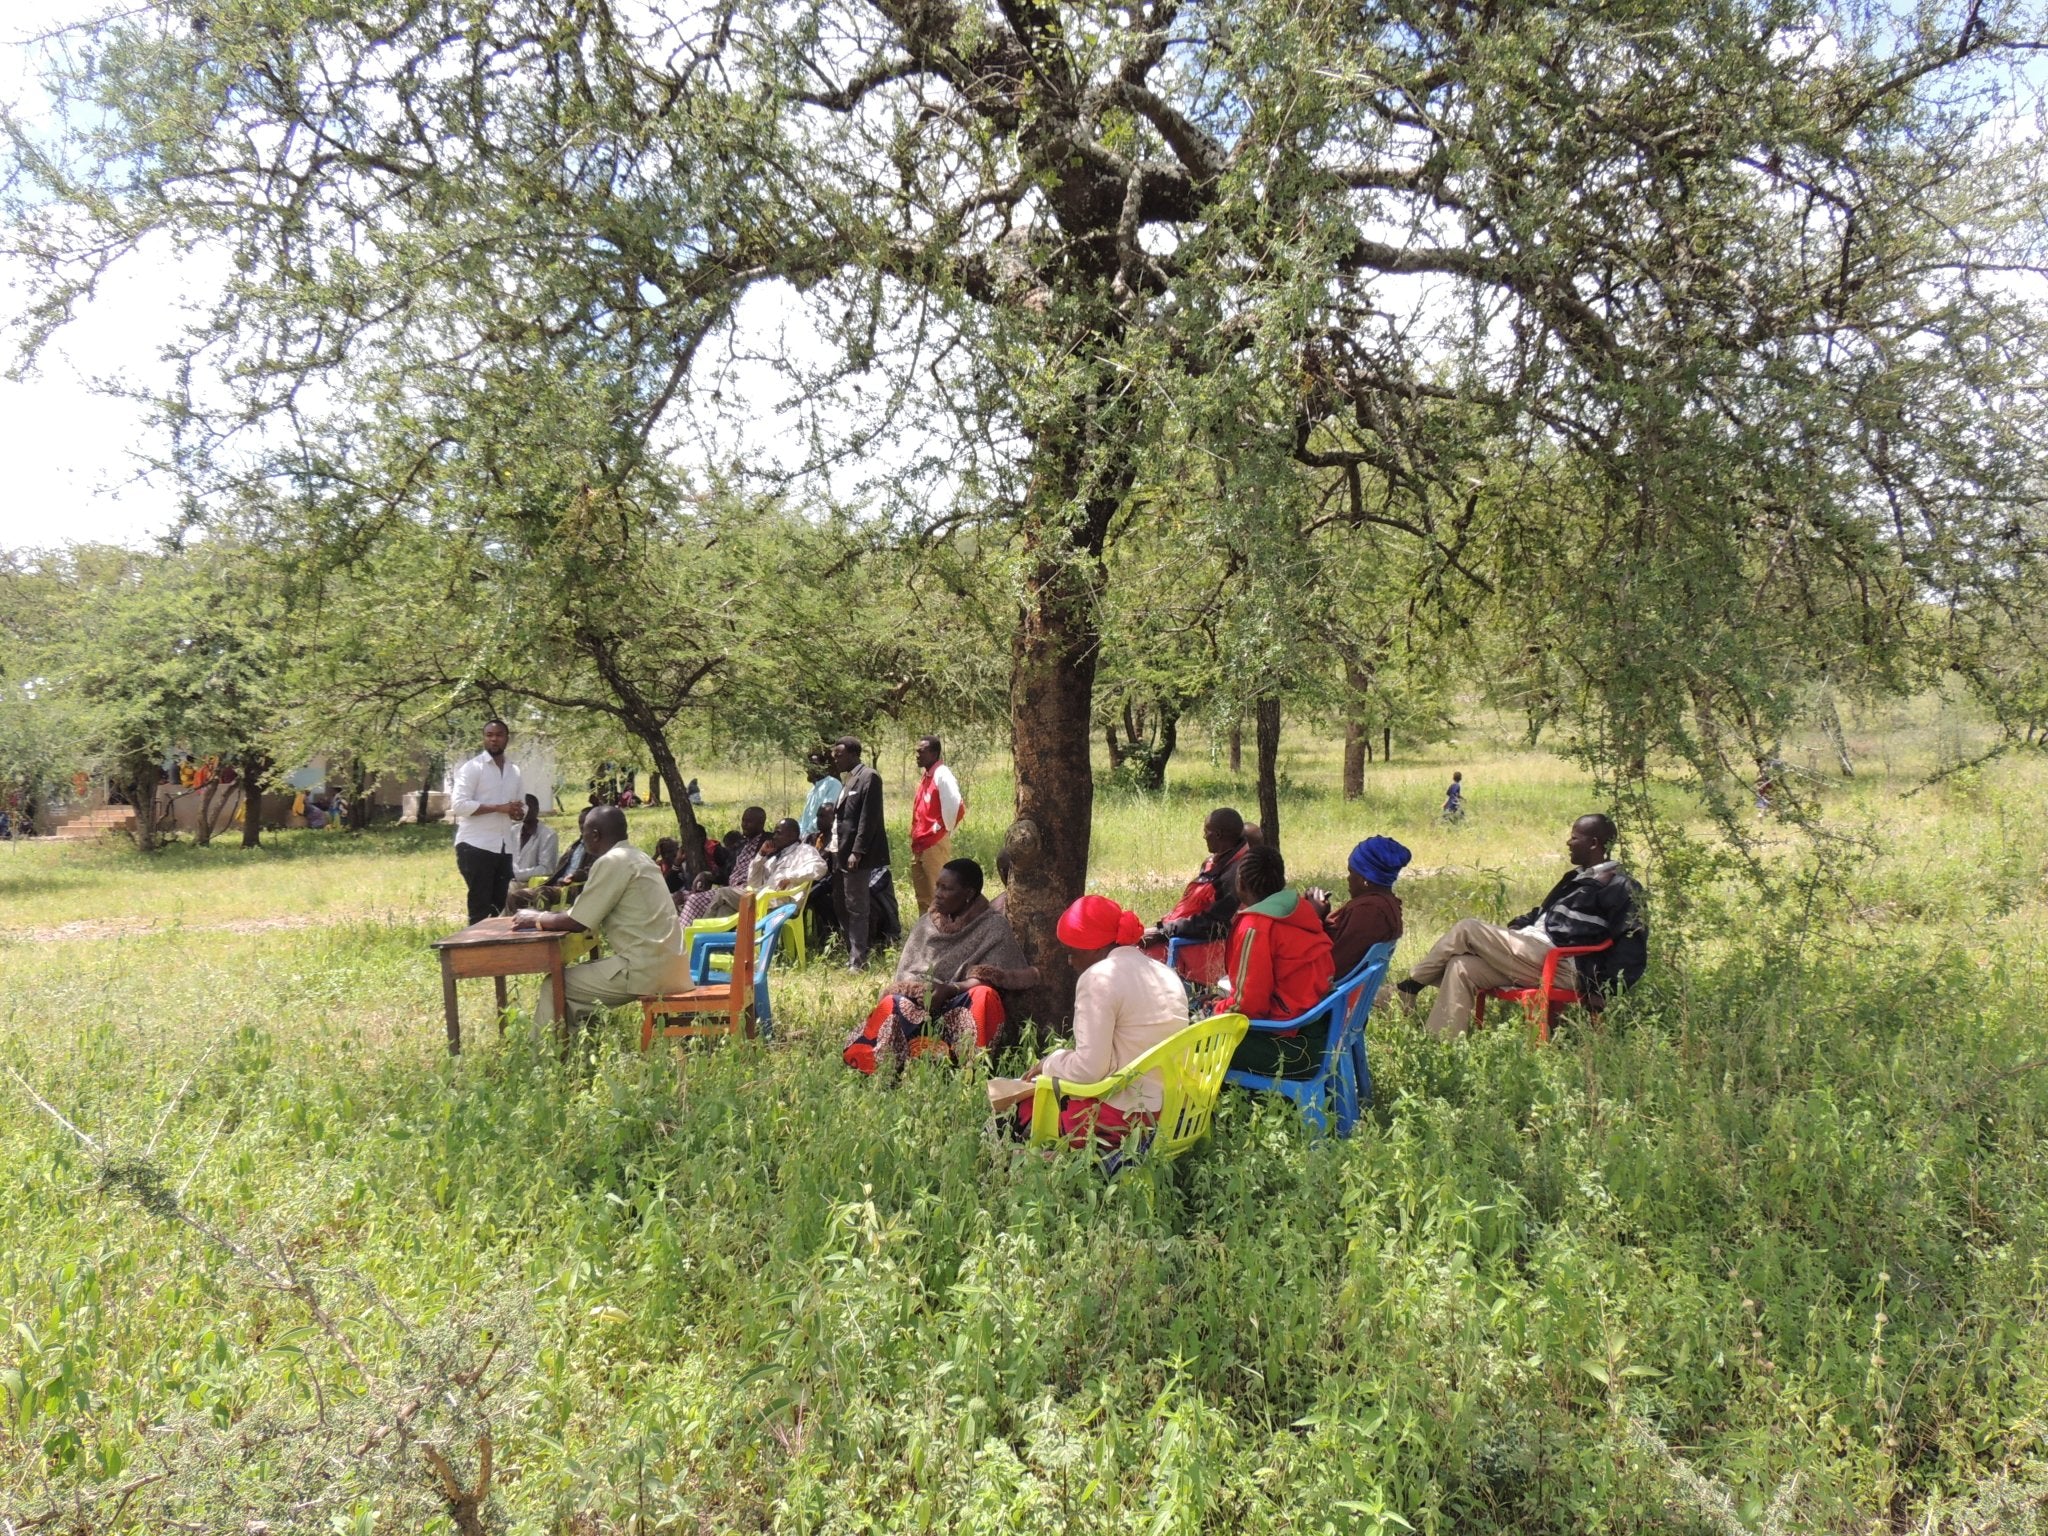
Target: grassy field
(1766,1252)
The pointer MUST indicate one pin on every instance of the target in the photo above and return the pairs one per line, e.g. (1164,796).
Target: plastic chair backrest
(1191,1068)
(771,934)
(743,946)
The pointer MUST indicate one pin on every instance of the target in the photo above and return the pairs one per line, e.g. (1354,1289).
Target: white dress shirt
(483,782)
(951,802)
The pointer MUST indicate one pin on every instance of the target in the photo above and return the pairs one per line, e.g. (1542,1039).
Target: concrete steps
(87,824)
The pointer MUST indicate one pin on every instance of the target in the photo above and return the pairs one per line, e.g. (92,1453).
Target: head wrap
(1379,860)
(1096,922)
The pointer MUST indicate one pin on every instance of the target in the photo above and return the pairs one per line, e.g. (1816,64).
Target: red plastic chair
(1541,1002)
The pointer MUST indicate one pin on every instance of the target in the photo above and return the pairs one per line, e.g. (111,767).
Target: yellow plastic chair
(767,901)
(1190,1064)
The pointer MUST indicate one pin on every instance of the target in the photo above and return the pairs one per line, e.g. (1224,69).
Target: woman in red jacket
(1279,964)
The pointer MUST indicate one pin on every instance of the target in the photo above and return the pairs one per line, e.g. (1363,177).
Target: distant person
(1596,901)
(1373,914)
(860,855)
(783,862)
(935,810)
(668,858)
(1124,1004)
(316,820)
(948,990)
(1454,798)
(1279,965)
(626,903)
(1208,905)
(487,805)
(538,847)
(567,876)
(824,792)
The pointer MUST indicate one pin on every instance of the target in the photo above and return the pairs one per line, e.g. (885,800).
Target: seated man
(1204,913)
(1278,964)
(785,861)
(753,833)
(626,902)
(947,993)
(1373,914)
(538,849)
(1594,902)
(568,875)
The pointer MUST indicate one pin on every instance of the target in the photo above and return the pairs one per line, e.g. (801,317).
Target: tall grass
(1768,1250)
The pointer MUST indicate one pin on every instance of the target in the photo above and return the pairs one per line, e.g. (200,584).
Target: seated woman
(1373,914)
(1124,1004)
(1279,965)
(947,991)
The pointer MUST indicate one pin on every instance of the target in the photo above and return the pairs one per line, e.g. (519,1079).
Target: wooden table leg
(561,985)
(449,1006)
(501,1004)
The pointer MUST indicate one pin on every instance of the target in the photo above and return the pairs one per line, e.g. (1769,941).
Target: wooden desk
(494,948)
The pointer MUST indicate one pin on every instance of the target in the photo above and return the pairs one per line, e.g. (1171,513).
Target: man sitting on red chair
(1596,902)
(1207,908)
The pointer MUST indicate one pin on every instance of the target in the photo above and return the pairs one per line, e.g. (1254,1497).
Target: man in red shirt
(935,810)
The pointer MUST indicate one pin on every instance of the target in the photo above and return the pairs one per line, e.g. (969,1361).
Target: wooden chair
(1540,1003)
(733,1001)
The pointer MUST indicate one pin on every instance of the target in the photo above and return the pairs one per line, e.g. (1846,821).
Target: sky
(71,452)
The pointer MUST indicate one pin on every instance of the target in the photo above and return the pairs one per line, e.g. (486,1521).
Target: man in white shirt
(487,805)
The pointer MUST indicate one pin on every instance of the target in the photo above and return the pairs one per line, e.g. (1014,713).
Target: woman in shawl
(947,991)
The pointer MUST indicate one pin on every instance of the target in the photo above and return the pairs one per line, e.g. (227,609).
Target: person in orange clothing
(1280,964)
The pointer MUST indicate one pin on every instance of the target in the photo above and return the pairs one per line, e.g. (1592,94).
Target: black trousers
(488,876)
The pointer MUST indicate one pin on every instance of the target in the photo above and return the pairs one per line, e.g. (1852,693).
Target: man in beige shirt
(626,901)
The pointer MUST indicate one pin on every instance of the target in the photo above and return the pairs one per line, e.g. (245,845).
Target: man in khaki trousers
(935,810)
(1595,902)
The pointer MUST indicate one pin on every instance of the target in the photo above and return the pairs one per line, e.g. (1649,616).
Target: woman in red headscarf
(1124,1004)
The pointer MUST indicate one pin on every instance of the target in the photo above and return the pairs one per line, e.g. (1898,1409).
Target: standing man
(860,849)
(487,806)
(935,810)
(626,902)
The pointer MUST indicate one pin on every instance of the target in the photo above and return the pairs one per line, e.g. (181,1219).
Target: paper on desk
(1005,1091)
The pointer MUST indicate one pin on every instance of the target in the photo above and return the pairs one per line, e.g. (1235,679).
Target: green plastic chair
(1190,1064)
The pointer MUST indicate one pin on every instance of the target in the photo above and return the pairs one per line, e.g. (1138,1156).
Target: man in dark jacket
(860,855)
(1207,908)
(1595,902)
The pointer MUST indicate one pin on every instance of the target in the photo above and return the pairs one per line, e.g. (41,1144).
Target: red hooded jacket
(1279,959)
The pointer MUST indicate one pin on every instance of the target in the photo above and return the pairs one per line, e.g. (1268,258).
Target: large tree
(1723,276)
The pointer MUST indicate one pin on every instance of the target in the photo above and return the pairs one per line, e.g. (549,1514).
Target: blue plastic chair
(1343,1082)
(766,934)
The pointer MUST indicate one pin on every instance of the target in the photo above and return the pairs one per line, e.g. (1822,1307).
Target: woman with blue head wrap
(1373,914)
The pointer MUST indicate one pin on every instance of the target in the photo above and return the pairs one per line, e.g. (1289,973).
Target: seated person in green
(1278,964)
(627,902)
(1373,914)
(947,993)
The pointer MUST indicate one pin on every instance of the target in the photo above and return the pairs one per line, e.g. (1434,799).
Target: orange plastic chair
(1540,1003)
(734,1001)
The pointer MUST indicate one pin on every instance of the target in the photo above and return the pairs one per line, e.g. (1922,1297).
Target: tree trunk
(204,836)
(256,769)
(1152,761)
(654,788)
(1237,748)
(142,795)
(1052,687)
(1269,770)
(1355,748)
(1831,722)
(669,772)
